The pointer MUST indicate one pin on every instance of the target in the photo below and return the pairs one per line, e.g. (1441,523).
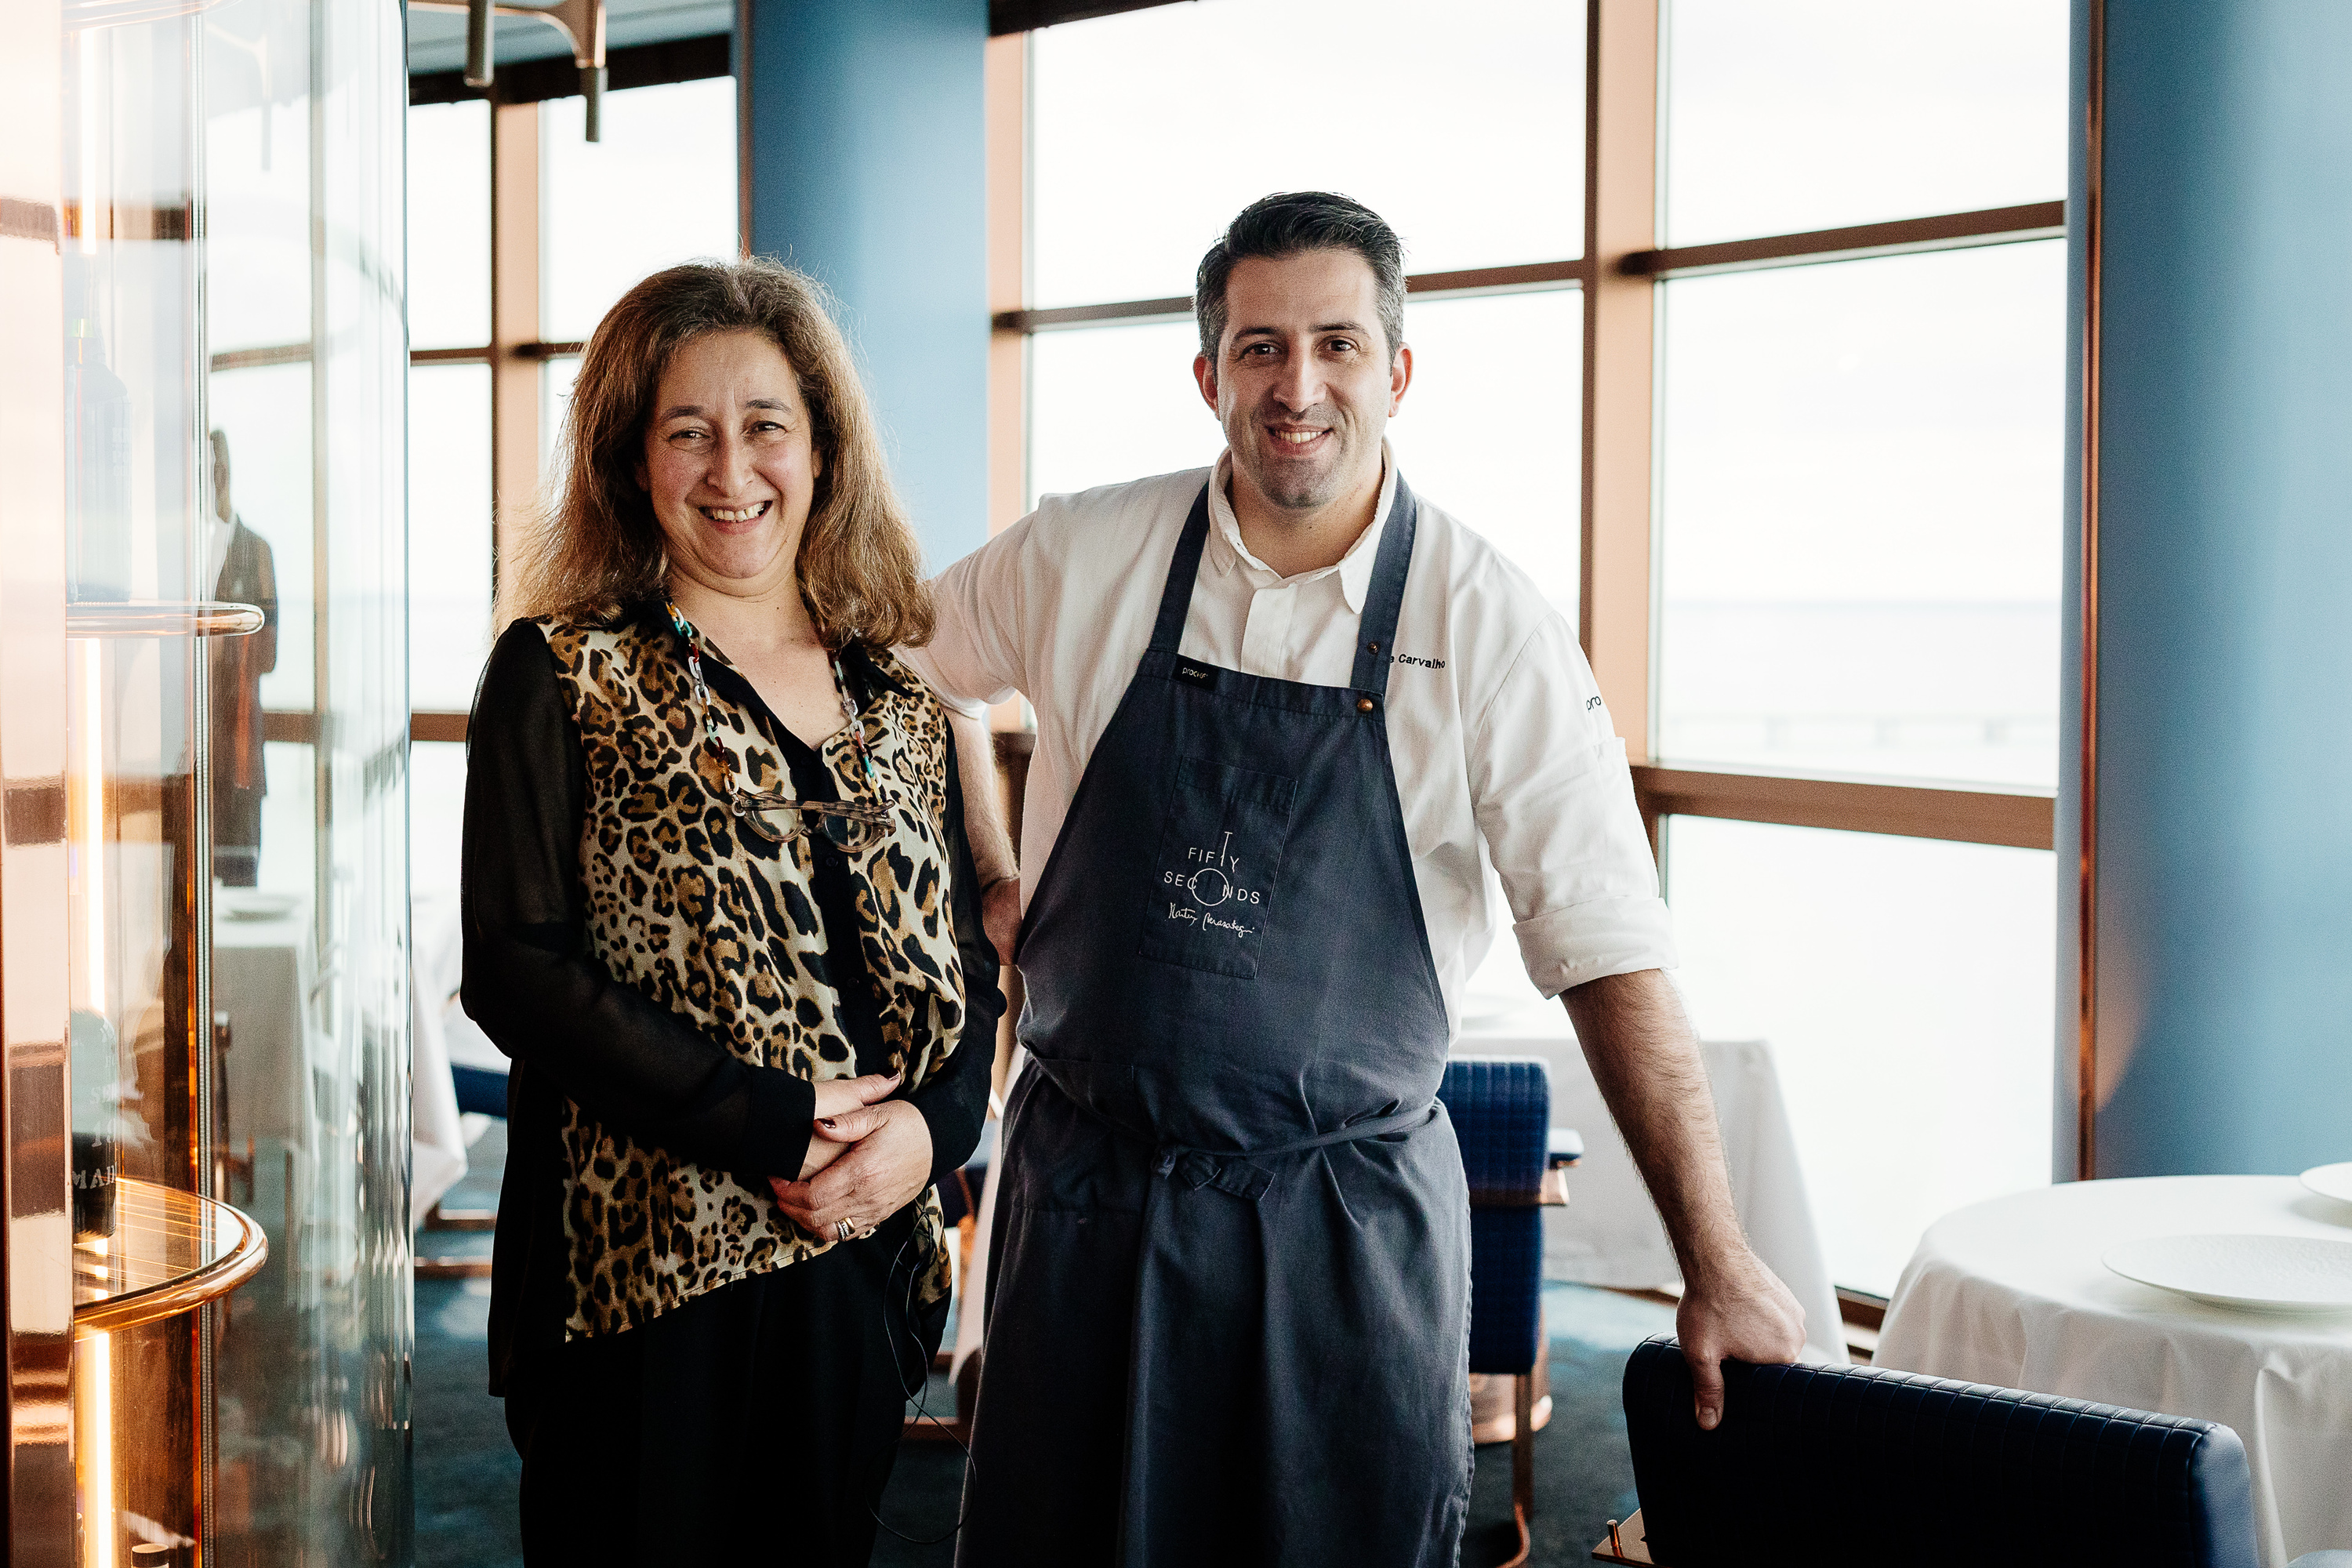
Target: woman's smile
(752,513)
(730,464)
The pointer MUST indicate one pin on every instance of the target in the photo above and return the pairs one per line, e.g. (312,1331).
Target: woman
(721,912)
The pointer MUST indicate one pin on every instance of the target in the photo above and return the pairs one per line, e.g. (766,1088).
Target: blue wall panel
(865,155)
(2224,782)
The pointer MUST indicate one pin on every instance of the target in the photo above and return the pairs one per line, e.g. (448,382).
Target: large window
(522,233)
(1808,524)
(1149,131)
(1857,513)
(1863,458)
(1462,123)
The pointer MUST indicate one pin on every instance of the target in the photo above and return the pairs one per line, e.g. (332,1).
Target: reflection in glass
(448,532)
(1489,427)
(1861,491)
(672,149)
(1905,986)
(449,225)
(1462,124)
(242,571)
(236,938)
(257,176)
(1795,115)
(1112,404)
(263,415)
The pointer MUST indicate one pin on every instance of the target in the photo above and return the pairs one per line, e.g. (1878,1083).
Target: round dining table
(2012,1292)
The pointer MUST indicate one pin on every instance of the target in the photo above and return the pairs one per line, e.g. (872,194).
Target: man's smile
(1294,438)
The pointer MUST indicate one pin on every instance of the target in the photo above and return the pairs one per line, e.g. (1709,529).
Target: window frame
(517,353)
(1618,277)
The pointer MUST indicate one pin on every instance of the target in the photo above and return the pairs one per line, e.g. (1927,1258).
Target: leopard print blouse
(722,928)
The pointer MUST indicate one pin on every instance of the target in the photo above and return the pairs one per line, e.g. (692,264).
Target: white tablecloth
(1610,1233)
(2011,1292)
(440,1031)
(263,973)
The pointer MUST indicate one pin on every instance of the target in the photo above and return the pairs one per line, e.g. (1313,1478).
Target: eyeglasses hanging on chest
(852,826)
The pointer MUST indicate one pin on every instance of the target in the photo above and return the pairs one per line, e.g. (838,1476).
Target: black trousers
(755,1423)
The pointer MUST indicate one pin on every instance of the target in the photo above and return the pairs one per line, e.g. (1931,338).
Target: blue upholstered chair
(480,1091)
(1823,1465)
(483,1092)
(1501,1111)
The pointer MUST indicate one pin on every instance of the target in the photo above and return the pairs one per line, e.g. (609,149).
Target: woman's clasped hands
(869,1156)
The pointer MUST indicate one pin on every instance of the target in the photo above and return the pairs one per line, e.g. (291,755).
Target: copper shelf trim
(162,618)
(170,1252)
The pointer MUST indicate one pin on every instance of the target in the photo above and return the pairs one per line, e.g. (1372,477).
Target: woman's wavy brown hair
(598,547)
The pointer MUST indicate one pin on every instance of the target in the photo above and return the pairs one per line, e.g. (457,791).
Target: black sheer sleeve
(530,979)
(955,1103)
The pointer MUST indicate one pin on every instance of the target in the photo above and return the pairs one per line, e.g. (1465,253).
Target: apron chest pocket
(1211,901)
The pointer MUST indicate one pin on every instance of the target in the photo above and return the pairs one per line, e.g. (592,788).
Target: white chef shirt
(1496,729)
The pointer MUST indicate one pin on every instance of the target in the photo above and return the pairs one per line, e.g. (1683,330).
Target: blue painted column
(2209,238)
(863,152)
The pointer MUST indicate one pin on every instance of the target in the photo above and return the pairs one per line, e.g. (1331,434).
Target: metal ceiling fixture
(582,23)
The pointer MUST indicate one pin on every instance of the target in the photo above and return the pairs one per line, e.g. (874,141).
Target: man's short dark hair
(1288,223)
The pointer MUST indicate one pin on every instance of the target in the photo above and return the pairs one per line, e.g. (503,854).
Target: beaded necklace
(839,818)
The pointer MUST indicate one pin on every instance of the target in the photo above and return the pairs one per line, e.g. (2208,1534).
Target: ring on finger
(842,1230)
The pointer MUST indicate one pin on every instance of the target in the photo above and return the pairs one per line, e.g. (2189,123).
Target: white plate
(2276,1273)
(244,905)
(2331,1181)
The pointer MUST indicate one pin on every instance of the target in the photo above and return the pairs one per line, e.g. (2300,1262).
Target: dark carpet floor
(465,1470)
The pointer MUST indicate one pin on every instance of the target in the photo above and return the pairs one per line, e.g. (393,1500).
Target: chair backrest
(1819,1464)
(1501,1112)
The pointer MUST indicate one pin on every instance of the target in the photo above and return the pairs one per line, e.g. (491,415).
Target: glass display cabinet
(204,932)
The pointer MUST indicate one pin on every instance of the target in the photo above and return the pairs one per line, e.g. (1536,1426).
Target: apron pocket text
(1211,898)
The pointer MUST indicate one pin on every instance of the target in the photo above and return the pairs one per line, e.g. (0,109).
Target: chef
(1284,706)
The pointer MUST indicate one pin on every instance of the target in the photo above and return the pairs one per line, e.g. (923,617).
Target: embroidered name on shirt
(1417,660)
(1195,675)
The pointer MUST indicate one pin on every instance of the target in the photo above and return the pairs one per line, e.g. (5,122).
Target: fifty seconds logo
(1211,891)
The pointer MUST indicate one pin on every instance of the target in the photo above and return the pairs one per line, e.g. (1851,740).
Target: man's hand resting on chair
(1740,1311)
(1646,1060)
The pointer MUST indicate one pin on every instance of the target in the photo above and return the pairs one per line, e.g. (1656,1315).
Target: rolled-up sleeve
(1554,801)
(976,658)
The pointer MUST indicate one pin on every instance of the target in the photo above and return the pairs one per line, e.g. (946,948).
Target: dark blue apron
(1229,1295)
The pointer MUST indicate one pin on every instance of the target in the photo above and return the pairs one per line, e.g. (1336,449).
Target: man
(242,572)
(1281,705)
